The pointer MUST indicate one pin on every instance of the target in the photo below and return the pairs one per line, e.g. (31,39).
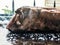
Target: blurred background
(7,10)
(8,7)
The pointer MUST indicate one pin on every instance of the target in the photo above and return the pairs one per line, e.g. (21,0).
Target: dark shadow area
(34,31)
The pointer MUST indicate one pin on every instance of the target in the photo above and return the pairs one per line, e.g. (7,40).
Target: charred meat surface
(28,18)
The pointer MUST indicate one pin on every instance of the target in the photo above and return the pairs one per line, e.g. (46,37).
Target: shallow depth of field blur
(7,8)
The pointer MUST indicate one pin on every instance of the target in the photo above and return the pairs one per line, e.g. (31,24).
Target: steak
(32,18)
